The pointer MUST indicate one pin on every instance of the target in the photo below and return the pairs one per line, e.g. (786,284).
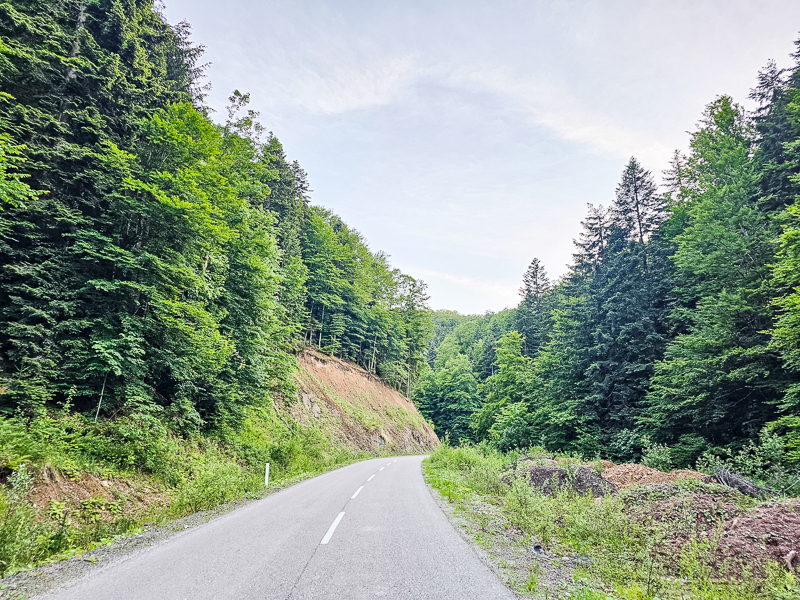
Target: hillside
(358,409)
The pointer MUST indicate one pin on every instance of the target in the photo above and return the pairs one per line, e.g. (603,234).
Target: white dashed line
(332,528)
(370,479)
(357,492)
(381,469)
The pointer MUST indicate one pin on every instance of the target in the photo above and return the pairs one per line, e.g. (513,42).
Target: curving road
(369,530)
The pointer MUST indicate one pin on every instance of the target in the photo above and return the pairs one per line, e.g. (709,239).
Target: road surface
(368,530)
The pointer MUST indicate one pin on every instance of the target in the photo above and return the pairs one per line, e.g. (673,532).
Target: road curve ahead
(369,530)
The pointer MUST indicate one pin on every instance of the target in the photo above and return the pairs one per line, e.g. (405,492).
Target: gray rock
(549,480)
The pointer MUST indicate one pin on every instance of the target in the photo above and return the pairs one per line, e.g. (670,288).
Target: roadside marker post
(266,475)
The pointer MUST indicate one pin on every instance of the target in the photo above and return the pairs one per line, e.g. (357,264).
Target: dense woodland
(156,259)
(162,260)
(678,323)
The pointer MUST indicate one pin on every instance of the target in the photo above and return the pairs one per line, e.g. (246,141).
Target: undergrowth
(619,555)
(191,472)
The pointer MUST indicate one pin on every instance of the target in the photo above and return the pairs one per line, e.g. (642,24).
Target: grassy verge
(575,547)
(151,475)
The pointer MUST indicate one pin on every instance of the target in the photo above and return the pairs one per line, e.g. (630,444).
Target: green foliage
(358,307)
(764,461)
(657,456)
(165,265)
(715,372)
(676,327)
(196,473)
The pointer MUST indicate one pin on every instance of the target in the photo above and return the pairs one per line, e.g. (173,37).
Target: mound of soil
(549,480)
(770,532)
(653,492)
(690,513)
(633,474)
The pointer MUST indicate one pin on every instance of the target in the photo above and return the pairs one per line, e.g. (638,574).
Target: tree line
(152,259)
(678,322)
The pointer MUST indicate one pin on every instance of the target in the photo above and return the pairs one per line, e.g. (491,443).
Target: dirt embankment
(100,498)
(357,408)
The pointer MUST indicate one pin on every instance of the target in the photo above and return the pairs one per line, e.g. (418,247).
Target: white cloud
(340,86)
(549,104)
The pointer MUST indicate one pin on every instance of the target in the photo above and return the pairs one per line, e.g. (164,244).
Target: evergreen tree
(532,317)
(718,377)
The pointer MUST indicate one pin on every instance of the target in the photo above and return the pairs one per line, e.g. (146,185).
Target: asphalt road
(369,530)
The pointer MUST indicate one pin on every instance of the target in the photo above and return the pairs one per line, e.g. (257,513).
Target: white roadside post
(266,475)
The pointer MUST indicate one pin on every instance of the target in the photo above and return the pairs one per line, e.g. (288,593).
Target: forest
(164,262)
(675,334)
(154,259)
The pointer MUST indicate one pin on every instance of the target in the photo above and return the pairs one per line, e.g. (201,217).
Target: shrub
(763,462)
(656,456)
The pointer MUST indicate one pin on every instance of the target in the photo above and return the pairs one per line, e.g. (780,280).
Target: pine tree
(532,318)
(718,377)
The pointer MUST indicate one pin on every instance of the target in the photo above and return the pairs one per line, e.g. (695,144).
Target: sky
(466,138)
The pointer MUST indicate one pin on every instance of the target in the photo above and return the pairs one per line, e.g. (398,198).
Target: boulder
(550,479)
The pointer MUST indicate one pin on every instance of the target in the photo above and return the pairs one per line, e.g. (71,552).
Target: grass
(191,473)
(615,553)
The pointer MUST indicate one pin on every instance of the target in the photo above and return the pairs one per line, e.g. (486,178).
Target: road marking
(381,469)
(370,479)
(357,492)
(331,529)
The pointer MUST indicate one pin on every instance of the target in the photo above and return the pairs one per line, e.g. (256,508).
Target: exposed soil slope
(357,408)
(633,474)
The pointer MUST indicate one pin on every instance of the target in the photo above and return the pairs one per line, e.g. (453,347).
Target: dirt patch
(358,408)
(82,490)
(748,541)
(691,512)
(549,480)
(632,474)
(741,540)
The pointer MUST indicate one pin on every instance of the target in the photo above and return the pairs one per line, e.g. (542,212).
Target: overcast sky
(465,138)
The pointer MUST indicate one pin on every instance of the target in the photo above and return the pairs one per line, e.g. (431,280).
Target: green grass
(618,551)
(195,472)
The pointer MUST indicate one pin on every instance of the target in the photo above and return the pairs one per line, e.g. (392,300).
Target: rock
(581,479)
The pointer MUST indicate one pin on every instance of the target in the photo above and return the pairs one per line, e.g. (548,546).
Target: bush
(688,449)
(16,446)
(763,462)
(657,456)
(212,479)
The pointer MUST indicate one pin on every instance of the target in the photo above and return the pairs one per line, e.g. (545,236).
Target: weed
(610,545)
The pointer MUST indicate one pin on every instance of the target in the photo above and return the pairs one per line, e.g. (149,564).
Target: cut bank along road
(368,530)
